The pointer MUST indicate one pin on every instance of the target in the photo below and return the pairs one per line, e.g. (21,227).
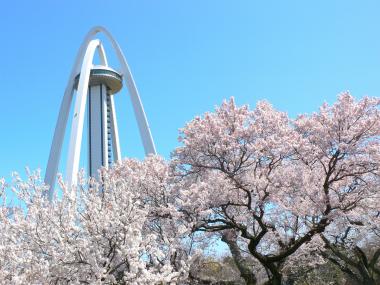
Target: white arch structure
(82,66)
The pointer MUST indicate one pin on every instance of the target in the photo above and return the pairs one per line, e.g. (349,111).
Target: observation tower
(104,82)
(94,86)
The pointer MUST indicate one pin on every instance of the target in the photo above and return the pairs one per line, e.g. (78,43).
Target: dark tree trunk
(276,278)
(230,238)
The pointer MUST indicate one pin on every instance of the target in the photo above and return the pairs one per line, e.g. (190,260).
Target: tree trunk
(276,279)
(230,238)
(276,275)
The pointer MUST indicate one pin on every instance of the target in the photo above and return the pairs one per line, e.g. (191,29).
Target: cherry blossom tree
(111,231)
(277,183)
(277,191)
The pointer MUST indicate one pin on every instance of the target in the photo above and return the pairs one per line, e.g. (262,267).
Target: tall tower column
(104,82)
(97,128)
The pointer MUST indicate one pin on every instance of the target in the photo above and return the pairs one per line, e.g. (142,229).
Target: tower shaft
(98,128)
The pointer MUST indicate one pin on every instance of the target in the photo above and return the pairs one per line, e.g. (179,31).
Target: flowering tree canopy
(278,182)
(111,232)
(279,192)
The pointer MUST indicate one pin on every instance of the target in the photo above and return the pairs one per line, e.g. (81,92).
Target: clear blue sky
(186,57)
